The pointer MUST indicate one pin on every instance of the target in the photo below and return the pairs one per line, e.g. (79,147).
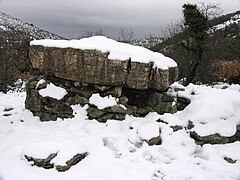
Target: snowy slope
(7,23)
(117,149)
(233,20)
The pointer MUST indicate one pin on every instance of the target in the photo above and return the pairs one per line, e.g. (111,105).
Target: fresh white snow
(212,110)
(103,102)
(52,91)
(149,130)
(116,149)
(117,50)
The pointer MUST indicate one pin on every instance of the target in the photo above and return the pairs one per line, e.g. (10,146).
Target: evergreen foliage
(195,26)
(220,44)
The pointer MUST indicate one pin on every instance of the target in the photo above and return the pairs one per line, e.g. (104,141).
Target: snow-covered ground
(117,150)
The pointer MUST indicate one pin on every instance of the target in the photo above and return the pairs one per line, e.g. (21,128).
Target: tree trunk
(193,73)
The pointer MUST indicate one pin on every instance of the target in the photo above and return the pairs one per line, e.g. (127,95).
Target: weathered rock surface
(46,163)
(94,67)
(138,86)
(130,101)
(215,138)
(71,162)
(154,141)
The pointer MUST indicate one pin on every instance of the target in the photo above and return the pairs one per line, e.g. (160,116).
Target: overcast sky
(71,18)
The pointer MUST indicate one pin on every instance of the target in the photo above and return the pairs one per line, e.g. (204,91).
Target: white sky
(71,18)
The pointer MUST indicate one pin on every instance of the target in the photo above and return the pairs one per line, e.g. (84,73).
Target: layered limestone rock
(115,70)
(93,66)
(128,101)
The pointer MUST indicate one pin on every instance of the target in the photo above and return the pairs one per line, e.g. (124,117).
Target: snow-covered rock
(103,61)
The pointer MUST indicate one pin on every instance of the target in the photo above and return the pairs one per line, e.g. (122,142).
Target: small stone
(44,163)
(8,109)
(190,125)
(238,127)
(77,84)
(7,114)
(123,100)
(101,88)
(230,160)
(155,141)
(179,89)
(176,128)
(94,112)
(161,121)
(73,161)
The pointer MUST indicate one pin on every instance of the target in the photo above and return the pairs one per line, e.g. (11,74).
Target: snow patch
(103,102)
(53,91)
(149,130)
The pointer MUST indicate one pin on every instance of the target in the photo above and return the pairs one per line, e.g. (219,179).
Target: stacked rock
(112,78)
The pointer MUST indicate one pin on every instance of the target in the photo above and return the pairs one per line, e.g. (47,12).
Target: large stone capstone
(110,63)
(135,76)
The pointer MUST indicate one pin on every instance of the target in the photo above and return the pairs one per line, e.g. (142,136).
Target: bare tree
(211,10)
(126,35)
(175,27)
(87,34)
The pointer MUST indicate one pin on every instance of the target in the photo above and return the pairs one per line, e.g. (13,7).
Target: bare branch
(87,34)
(126,35)
(211,10)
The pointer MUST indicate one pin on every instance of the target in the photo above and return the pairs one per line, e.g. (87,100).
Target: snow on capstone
(102,102)
(53,91)
(117,50)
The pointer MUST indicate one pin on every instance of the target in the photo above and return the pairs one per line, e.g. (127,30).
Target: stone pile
(139,88)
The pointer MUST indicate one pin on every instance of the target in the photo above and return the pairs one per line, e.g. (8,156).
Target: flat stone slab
(85,61)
